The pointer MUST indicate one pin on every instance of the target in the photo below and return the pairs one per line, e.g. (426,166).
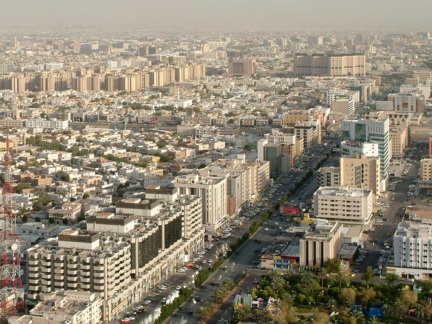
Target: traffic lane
(225,311)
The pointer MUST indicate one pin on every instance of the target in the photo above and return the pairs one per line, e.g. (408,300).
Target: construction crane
(11,288)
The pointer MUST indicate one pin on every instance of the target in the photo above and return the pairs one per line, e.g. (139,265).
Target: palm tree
(374,320)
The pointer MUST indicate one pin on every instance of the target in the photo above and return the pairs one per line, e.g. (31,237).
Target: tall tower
(11,288)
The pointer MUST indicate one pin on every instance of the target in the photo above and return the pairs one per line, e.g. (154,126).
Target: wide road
(242,260)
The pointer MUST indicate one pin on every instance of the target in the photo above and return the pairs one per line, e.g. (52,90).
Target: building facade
(345,205)
(360,171)
(320,243)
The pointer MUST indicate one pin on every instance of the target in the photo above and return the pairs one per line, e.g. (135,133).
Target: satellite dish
(14,247)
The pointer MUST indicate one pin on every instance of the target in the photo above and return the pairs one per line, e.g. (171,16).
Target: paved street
(240,262)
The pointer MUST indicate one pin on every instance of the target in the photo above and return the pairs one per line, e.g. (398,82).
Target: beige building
(74,307)
(326,65)
(360,171)
(425,173)
(320,243)
(399,140)
(246,180)
(120,257)
(350,206)
(243,67)
(213,191)
(328,176)
(79,261)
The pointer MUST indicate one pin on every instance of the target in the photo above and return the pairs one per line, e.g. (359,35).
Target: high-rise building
(360,171)
(243,67)
(119,256)
(399,140)
(345,205)
(213,191)
(372,131)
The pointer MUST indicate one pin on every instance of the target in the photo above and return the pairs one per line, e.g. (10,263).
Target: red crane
(11,288)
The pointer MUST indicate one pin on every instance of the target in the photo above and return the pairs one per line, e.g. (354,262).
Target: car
(178,287)
(147,301)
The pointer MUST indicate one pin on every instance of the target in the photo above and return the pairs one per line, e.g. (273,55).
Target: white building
(72,307)
(372,131)
(412,244)
(320,243)
(344,205)
(213,191)
(47,124)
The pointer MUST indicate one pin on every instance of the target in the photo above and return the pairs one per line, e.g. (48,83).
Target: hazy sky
(218,13)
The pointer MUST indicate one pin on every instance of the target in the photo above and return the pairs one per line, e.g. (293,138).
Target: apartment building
(360,171)
(351,206)
(47,124)
(320,243)
(243,67)
(399,140)
(79,260)
(212,190)
(425,180)
(309,132)
(120,257)
(412,243)
(246,180)
(281,150)
(73,307)
(328,176)
(329,65)
(407,102)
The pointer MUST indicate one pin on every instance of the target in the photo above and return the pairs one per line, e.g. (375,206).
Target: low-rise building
(344,205)
(320,243)
(72,307)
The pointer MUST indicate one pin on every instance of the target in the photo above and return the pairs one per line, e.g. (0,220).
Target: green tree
(37,219)
(391,278)
(86,196)
(65,221)
(63,176)
(368,276)
(51,220)
(321,318)
(332,265)
(408,298)
(25,218)
(365,295)
(22,185)
(348,295)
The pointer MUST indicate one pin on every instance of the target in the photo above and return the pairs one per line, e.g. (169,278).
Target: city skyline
(239,14)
